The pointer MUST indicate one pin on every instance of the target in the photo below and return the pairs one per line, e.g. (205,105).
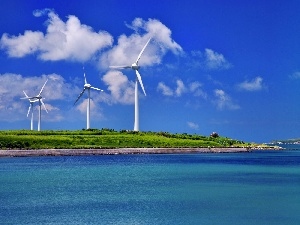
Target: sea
(259,187)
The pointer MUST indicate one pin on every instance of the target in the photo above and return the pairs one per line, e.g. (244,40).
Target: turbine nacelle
(36,98)
(87,86)
(135,66)
(33,100)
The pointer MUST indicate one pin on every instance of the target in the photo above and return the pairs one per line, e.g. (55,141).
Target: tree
(214,134)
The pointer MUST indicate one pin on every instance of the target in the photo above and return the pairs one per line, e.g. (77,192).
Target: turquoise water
(239,188)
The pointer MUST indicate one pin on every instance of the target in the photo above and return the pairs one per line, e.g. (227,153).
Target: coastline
(116,151)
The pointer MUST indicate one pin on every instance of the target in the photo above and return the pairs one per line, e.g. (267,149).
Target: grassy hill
(108,138)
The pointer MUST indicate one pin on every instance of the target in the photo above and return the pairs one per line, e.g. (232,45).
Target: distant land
(111,139)
(288,141)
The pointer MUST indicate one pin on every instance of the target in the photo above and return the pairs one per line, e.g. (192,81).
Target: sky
(211,66)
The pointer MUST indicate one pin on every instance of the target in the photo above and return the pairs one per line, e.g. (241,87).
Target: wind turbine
(135,66)
(87,87)
(37,98)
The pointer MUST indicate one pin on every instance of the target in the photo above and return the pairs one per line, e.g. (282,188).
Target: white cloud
(68,40)
(193,88)
(253,85)
(128,47)
(122,90)
(223,100)
(195,85)
(214,60)
(207,60)
(180,88)
(41,12)
(167,91)
(19,46)
(160,32)
(295,75)
(193,125)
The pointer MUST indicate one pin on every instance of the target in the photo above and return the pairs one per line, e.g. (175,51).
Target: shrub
(214,134)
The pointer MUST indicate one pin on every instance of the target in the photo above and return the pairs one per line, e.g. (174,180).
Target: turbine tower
(87,87)
(30,109)
(135,66)
(37,98)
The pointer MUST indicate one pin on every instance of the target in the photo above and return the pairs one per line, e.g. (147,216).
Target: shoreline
(116,151)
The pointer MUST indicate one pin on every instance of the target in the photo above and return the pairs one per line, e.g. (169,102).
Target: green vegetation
(108,138)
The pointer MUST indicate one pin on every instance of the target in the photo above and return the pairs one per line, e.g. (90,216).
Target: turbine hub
(87,86)
(135,66)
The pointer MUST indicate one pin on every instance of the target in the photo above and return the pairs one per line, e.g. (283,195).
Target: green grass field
(108,138)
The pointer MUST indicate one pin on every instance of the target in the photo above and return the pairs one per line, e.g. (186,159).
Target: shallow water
(260,187)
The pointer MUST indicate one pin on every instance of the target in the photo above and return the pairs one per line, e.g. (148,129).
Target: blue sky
(212,66)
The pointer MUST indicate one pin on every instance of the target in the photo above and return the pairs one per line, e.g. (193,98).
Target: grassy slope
(106,138)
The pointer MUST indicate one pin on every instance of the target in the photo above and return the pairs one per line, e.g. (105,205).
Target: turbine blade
(31,99)
(26,98)
(120,67)
(98,89)
(79,96)
(85,82)
(29,109)
(42,88)
(43,105)
(140,80)
(138,58)
(25,94)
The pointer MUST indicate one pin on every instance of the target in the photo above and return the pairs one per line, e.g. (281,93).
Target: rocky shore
(77,152)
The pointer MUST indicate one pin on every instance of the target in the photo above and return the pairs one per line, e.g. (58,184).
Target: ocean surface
(261,187)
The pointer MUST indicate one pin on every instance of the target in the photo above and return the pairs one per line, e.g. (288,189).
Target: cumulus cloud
(223,100)
(160,32)
(68,40)
(207,60)
(253,85)
(122,90)
(193,125)
(193,88)
(196,89)
(128,47)
(214,60)
(167,91)
(41,12)
(180,88)
(19,46)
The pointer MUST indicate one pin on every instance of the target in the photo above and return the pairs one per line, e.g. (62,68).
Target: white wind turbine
(135,66)
(37,98)
(87,87)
